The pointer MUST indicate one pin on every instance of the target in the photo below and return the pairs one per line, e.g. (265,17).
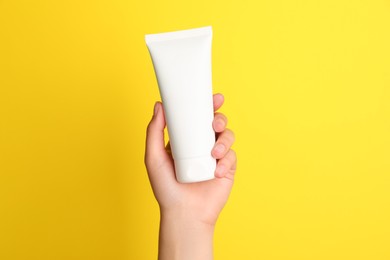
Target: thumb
(155,153)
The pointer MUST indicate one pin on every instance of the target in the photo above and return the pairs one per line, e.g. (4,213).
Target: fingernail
(219,148)
(220,124)
(156,107)
(220,170)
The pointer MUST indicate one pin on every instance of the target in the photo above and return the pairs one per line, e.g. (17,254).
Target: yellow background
(307,87)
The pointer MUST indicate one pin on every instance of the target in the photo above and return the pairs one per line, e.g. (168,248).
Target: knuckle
(230,135)
(219,115)
(234,159)
(233,154)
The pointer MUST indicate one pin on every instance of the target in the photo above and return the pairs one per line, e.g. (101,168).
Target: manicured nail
(220,170)
(219,148)
(220,124)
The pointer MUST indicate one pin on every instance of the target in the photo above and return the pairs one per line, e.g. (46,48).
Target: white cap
(195,169)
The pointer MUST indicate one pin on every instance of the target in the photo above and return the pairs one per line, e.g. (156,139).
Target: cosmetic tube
(182,64)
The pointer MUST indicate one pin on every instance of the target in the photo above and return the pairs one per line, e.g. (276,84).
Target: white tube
(182,63)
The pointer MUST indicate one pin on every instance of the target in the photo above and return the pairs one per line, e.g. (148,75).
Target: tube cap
(195,169)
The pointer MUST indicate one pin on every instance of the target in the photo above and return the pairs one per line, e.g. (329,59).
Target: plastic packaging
(182,63)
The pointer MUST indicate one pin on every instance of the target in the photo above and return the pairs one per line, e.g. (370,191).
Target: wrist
(188,218)
(182,236)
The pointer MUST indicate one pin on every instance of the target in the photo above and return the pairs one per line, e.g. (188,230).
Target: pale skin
(188,212)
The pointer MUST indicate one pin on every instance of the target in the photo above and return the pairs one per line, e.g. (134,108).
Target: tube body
(182,63)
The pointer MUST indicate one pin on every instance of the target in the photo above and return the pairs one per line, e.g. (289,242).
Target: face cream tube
(182,63)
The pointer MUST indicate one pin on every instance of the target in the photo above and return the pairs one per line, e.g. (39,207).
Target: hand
(203,200)
(188,210)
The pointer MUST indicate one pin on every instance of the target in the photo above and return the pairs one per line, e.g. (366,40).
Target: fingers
(155,145)
(222,145)
(226,166)
(219,122)
(218,100)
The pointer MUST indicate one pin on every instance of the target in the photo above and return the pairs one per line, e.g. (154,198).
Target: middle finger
(222,145)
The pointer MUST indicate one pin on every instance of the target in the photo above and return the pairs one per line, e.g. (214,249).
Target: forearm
(182,238)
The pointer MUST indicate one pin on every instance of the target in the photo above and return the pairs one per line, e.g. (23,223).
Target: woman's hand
(189,210)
